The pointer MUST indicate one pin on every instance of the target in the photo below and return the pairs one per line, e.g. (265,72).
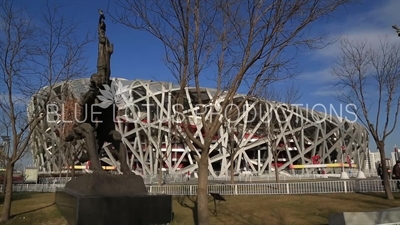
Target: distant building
(395,155)
(373,158)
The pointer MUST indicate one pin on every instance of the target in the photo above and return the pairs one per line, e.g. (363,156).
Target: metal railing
(317,187)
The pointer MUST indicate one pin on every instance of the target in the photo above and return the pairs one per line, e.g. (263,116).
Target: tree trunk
(67,152)
(231,156)
(276,167)
(5,215)
(202,192)
(73,168)
(3,191)
(160,175)
(386,184)
(232,168)
(68,165)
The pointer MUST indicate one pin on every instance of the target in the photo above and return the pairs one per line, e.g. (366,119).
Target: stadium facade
(152,145)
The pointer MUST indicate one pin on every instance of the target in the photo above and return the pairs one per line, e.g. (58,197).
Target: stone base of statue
(112,199)
(386,216)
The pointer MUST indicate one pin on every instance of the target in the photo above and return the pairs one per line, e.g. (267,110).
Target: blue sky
(138,55)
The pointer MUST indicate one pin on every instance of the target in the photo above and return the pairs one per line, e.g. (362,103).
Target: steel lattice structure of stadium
(146,127)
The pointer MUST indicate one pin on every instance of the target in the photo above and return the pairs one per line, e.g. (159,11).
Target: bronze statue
(397,29)
(97,125)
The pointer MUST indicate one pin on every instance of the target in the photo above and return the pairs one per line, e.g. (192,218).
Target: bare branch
(245,45)
(33,59)
(369,76)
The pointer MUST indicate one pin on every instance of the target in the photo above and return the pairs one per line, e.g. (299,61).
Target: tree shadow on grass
(16,196)
(378,194)
(33,210)
(253,220)
(374,194)
(193,200)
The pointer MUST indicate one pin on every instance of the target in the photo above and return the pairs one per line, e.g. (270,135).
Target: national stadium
(248,143)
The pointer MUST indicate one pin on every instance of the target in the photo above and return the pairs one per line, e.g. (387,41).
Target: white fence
(340,186)
(278,188)
(182,178)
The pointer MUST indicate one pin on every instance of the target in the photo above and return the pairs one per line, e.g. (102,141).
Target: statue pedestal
(112,199)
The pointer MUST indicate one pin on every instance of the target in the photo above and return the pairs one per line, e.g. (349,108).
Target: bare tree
(287,96)
(71,149)
(237,135)
(368,76)
(4,125)
(161,139)
(271,136)
(70,153)
(32,59)
(270,130)
(245,42)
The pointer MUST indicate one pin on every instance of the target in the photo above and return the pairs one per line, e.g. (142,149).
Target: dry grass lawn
(35,209)
(39,209)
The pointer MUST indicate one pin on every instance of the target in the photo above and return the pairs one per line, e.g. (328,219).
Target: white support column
(360,173)
(258,161)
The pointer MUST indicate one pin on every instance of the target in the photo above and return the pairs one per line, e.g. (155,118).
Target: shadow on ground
(377,194)
(192,206)
(33,210)
(16,196)
(243,219)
